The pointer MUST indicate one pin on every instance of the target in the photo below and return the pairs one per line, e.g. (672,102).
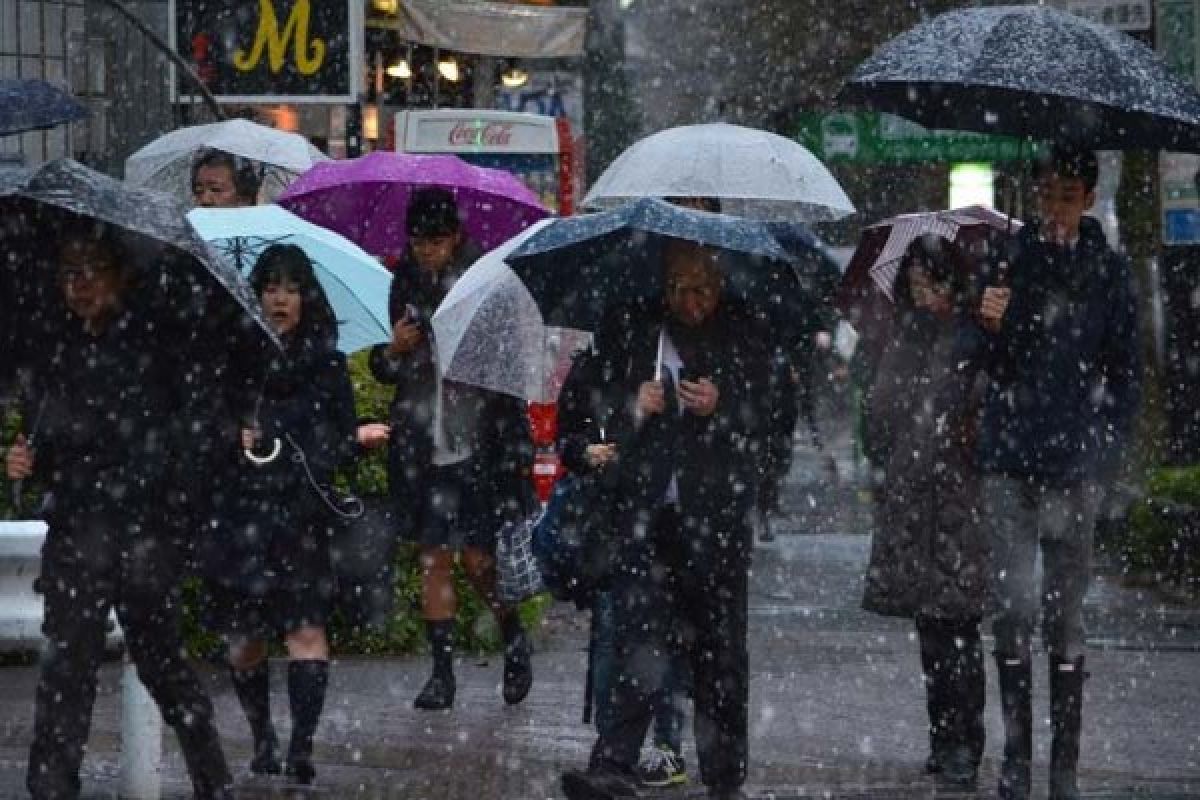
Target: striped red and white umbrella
(877,258)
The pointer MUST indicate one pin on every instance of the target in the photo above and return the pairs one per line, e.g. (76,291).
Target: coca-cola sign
(480,134)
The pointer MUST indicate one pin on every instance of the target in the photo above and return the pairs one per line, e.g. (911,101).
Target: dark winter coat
(278,532)
(496,426)
(929,553)
(1065,369)
(716,459)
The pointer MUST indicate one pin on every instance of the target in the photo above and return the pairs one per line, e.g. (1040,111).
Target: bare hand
(651,398)
(19,463)
(699,397)
(598,455)
(406,336)
(250,438)
(991,310)
(373,434)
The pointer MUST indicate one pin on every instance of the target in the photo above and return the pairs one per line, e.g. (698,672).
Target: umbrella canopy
(366,199)
(28,105)
(877,258)
(183,284)
(578,267)
(166,163)
(1030,71)
(754,173)
(489,332)
(354,282)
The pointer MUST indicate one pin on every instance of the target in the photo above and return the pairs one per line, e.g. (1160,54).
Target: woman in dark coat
(460,458)
(929,554)
(273,576)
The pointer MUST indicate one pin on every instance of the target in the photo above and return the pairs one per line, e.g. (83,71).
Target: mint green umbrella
(355,283)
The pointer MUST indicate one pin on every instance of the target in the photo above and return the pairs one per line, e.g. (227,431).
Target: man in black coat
(110,437)
(685,390)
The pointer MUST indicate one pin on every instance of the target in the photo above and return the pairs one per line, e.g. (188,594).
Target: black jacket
(715,460)
(1065,369)
(496,426)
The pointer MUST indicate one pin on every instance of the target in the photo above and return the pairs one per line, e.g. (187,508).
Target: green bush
(1154,522)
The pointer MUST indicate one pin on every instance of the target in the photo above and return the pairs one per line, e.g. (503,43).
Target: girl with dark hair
(273,575)
(929,557)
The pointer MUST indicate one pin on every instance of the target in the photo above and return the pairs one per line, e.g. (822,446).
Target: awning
(493,29)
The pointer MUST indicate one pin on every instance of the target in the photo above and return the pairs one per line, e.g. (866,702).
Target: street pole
(165,49)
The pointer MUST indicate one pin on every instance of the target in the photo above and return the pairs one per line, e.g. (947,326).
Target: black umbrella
(1030,71)
(27,105)
(193,297)
(577,268)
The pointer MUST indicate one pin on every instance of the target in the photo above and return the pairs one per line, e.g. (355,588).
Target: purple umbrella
(366,199)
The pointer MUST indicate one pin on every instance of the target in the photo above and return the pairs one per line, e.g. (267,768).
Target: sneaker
(661,767)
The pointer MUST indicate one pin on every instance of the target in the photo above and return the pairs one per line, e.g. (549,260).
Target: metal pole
(166,50)
(141,739)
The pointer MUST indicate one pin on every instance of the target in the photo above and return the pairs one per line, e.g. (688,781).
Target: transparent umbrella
(753,173)
(166,162)
(488,332)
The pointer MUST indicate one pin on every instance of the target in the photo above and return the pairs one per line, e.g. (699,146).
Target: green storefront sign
(885,138)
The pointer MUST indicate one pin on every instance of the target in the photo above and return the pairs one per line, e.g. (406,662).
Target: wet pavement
(837,701)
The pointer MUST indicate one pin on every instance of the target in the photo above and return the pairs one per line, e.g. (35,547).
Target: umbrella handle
(276,447)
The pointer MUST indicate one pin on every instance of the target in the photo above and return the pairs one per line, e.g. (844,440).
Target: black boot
(1066,715)
(307,681)
(933,667)
(1016,686)
(518,669)
(438,693)
(253,687)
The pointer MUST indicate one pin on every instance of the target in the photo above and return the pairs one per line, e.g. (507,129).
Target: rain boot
(1016,687)
(438,693)
(518,670)
(253,687)
(965,695)
(307,681)
(1066,716)
(932,666)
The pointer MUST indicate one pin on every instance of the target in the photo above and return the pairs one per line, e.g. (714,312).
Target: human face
(215,187)
(1062,201)
(90,282)
(926,293)
(693,287)
(434,253)
(283,305)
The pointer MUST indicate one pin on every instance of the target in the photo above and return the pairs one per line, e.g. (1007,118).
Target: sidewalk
(837,701)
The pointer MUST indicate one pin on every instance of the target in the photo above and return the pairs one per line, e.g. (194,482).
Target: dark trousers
(681,591)
(955,684)
(91,565)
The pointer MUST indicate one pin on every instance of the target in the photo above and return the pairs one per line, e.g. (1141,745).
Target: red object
(543,421)
(566,168)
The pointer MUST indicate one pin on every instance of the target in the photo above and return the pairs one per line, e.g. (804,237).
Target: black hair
(945,262)
(287,263)
(432,212)
(246,177)
(1068,160)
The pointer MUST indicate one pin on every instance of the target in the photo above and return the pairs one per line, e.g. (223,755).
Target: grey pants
(1022,517)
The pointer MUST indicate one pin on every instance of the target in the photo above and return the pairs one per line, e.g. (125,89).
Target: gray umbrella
(182,278)
(1030,71)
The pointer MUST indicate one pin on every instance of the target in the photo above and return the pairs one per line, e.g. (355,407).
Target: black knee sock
(253,687)
(510,625)
(307,680)
(441,644)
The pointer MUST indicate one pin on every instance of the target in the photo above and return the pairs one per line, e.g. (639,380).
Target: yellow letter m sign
(309,54)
